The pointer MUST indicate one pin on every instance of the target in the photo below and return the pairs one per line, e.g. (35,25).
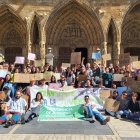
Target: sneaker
(118,116)
(7,124)
(105,121)
(92,121)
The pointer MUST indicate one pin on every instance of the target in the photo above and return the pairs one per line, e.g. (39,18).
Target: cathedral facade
(67,26)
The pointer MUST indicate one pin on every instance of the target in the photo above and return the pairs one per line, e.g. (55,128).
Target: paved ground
(73,130)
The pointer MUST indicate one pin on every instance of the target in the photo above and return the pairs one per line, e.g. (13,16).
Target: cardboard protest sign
(105,93)
(3,73)
(106,57)
(111,104)
(19,60)
(23,78)
(57,76)
(124,59)
(117,77)
(136,65)
(75,58)
(25,97)
(135,86)
(31,56)
(133,58)
(2,95)
(65,65)
(38,76)
(82,77)
(96,55)
(47,75)
(38,63)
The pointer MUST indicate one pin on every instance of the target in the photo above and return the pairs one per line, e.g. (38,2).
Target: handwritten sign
(111,104)
(47,76)
(31,56)
(2,95)
(117,77)
(96,56)
(19,60)
(38,63)
(106,57)
(136,65)
(124,59)
(65,65)
(57,76)
(133,58)
(105,93)
(75,58)
(25,97)
(3,73)
(25,78)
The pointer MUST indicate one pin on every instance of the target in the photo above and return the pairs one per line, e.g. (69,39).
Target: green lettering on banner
(44,92)
(53,112)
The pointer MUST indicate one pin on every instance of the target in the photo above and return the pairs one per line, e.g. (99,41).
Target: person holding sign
(114,97)
(107,78)
(91,112)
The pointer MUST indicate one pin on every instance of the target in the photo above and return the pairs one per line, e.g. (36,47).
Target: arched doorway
(73,27)
(131,31)
(111,39)
(11,42)
(12,34)
(35,36)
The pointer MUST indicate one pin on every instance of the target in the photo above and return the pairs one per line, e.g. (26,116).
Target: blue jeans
(95,113)
(109,113)
(124,113)
(134,116)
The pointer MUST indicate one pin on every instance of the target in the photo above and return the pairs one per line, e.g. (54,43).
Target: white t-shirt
(17,105)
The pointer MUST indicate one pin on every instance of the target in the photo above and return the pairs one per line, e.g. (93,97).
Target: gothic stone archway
(12,34)
(71,27)
(131,32)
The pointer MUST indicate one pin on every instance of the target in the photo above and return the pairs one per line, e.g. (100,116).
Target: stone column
(117,53)
(104,51)
(42,51)
(29,42)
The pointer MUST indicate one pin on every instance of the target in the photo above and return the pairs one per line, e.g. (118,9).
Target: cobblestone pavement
(115,130)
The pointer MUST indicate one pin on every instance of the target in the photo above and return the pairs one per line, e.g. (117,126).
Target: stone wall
(69,24)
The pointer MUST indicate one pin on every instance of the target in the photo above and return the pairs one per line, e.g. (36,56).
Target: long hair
(40,95)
